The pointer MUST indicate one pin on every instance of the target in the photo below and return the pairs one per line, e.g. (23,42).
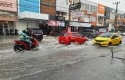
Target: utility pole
(116,10)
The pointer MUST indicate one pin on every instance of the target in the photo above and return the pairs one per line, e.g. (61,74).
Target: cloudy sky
(109,3)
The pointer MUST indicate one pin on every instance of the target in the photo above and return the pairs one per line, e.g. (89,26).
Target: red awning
(52,23)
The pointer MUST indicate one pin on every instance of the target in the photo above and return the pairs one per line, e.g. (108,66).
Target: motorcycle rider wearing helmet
(24,37)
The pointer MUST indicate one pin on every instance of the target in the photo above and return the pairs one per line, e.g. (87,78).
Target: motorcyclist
(24,37)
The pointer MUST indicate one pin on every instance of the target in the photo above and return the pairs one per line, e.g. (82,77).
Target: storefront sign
(101,9)
(60,7)
(75,6)
(60,18)
(5,4)
(8,5)
(75,15)
(61,23)
(80,24)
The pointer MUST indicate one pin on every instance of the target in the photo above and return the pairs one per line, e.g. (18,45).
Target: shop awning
(56,23)
(33,16)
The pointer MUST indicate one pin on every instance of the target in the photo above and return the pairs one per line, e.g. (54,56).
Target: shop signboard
(101,9)
(60,18)
(75,6)
(60,7)
(8,5)
(29,5)
(80,24)
(75,15)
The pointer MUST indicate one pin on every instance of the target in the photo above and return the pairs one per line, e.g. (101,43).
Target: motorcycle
(20,45)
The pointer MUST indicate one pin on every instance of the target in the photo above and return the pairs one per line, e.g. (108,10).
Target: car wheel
(109,44)
(120,42)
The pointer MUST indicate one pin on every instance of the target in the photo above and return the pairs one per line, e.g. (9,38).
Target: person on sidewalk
(24,37)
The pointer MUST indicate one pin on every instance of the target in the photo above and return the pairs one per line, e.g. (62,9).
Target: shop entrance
(6,28)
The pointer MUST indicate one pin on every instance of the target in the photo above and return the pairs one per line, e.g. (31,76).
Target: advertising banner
(75,15)
(29,5)
(101,9)
(8,5)
(62,5)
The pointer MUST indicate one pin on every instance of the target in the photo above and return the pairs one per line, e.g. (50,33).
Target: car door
(115,39)
(74,37)
(79,38)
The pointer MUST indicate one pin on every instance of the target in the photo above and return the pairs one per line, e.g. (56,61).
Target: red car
(69,37)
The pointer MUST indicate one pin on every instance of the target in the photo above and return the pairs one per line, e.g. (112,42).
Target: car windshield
(37,31)
(107,35)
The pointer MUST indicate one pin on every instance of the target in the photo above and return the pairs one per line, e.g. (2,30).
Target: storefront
(55,24)
(30,20)
(30,17)
(8,18)
(76,26)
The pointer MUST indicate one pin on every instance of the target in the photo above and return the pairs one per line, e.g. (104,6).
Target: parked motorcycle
(22,45)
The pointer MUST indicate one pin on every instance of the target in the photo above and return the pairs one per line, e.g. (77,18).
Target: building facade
(8,16)
(48,14)
(85,16)
(29,15)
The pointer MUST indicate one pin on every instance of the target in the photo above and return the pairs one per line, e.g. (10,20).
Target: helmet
(24,31)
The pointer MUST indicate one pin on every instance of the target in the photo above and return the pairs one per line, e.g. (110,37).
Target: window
(90,8)
(94,9)
(82,6)
(86,7)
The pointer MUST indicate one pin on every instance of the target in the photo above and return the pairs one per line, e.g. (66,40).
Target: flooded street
(55,61)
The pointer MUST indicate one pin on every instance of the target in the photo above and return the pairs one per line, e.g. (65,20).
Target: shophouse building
(96,16)
(8,16)
(102,14)
(85,16)
(29,15)
(57,15)
(115,23)
(62,11)
(48,7)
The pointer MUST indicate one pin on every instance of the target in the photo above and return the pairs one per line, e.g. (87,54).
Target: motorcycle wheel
(36,47)
(18,48)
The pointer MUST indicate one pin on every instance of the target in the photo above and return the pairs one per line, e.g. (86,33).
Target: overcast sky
(109,3)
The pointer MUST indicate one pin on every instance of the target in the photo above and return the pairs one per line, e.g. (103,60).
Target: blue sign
(29,5)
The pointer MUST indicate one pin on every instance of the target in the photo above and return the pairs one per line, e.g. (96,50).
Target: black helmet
(24,31)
